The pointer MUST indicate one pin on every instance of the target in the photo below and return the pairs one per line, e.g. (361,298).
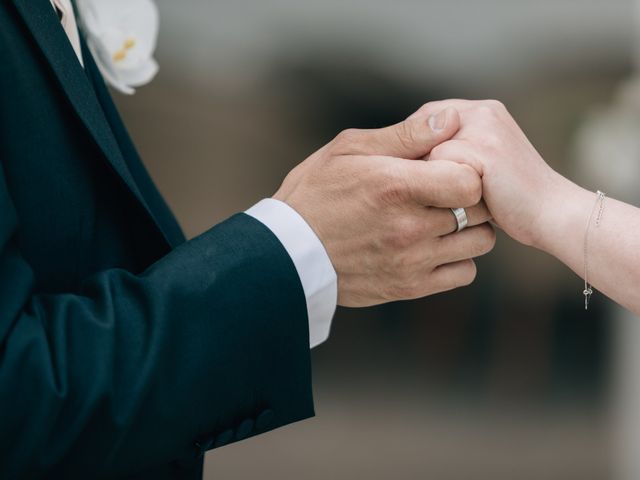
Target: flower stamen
(121,54)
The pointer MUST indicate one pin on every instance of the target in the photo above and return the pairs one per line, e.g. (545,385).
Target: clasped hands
(380,200)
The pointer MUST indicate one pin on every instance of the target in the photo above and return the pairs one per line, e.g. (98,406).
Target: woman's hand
(538,207)
(519,188)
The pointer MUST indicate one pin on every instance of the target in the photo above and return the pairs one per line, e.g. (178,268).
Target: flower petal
(122,35)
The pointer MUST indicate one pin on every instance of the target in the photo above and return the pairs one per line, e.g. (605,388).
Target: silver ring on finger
(460,215)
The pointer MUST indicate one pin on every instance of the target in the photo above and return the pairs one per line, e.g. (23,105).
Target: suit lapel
(157,205)
(41,20)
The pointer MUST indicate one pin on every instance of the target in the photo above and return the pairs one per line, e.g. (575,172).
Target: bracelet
(599,206)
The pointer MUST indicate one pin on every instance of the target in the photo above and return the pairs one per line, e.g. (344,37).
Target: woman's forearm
(613,246)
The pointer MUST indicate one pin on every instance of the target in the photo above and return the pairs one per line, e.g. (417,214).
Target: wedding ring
(461,218)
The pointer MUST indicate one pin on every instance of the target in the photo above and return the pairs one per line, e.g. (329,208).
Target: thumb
(410,139)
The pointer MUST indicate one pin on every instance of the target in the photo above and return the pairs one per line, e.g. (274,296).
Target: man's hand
(384,216)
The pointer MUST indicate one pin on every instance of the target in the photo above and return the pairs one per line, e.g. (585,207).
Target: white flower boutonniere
(122,36)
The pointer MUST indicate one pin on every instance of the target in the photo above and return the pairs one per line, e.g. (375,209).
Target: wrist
(563,216)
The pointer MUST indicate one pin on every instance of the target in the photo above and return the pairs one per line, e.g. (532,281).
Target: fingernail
(438,122)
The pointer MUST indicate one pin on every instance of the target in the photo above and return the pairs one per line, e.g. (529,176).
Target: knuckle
(469,274)
(346,140)
(475,191)
(440,152)
(462,276)
(492,141)
(486,240)
(495,105)
(470,187)
(348,135)
(425,108)
(493,108)
(490,239)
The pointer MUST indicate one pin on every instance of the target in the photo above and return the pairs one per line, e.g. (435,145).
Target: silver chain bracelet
(599,207)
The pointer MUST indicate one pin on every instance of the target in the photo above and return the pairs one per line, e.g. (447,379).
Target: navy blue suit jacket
(124,350)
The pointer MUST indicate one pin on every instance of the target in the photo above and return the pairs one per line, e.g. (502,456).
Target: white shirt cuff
(318,278)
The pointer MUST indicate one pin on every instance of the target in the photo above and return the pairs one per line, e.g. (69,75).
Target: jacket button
(264,419)
(245,428)
(223,439)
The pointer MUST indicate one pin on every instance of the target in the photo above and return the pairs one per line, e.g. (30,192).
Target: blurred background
(508,378)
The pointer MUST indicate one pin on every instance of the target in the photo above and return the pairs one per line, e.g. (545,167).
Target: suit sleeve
(206,347)
(317,275)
